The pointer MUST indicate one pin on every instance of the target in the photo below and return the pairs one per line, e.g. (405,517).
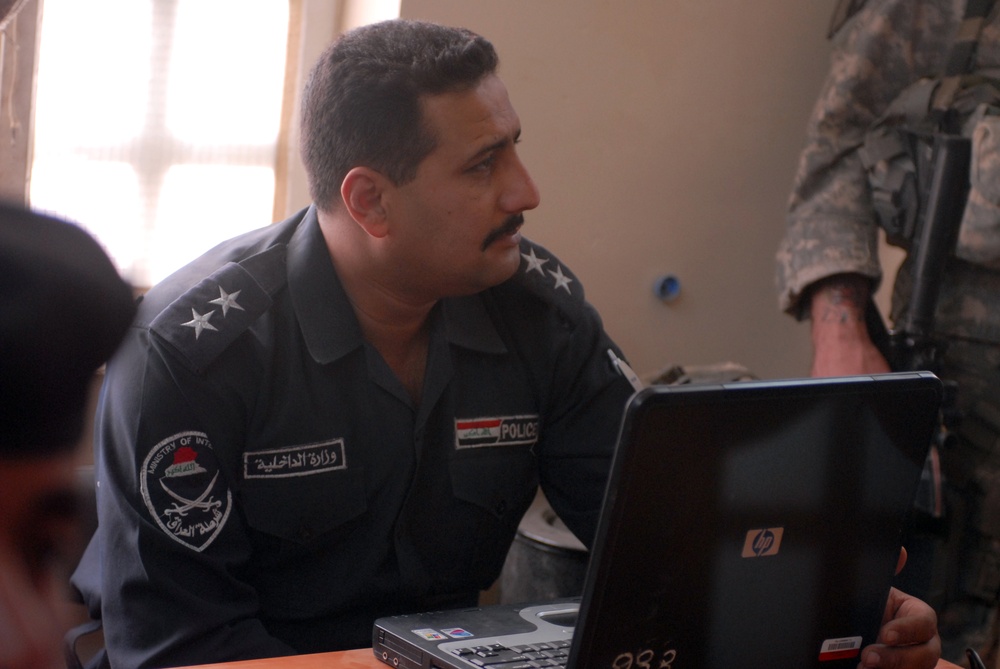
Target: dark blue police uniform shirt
(267,486)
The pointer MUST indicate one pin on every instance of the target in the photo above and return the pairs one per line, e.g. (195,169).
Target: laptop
(749,524)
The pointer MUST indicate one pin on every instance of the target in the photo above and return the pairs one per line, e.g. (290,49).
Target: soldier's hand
(908,638)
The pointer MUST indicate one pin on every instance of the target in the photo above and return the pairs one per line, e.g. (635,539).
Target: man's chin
(512,270)
(502,269)
(509,257)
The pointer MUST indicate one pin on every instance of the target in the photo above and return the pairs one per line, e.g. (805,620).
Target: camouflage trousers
(954,560)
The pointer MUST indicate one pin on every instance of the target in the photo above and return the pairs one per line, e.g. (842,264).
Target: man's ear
(362,191)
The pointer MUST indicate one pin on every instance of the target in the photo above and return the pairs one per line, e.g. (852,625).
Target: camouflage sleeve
(831,229)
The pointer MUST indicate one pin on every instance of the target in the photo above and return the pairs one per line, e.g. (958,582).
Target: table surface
(362,658)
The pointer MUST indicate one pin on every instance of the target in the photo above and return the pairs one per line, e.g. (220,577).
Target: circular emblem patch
(184,491)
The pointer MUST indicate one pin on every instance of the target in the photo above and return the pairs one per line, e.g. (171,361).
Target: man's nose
(521,193)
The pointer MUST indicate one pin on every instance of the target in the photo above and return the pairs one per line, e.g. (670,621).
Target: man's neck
(396,324)
(403,345)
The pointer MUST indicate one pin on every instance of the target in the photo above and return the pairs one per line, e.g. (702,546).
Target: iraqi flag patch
(496,431)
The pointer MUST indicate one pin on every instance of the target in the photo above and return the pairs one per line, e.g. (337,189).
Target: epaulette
(544,274)
(204,321)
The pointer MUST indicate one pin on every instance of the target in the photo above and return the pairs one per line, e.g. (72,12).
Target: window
(157,123)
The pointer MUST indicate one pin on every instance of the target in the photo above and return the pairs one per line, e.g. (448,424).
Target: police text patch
(184,491)
(496,431)
(301,460)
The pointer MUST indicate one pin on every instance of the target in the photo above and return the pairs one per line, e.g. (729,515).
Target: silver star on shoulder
(200,322)
(562,281)
(534,262)
(227,300)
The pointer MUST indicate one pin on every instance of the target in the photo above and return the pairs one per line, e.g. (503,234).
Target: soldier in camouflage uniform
(828,267)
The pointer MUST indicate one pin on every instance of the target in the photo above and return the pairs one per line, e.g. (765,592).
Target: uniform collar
(324,313)
(468,324)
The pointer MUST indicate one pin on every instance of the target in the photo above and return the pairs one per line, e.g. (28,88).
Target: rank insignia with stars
(547,268)
(200,322)
(206,319)
(227,301)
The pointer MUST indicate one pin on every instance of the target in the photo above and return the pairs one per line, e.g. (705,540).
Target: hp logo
(762,542)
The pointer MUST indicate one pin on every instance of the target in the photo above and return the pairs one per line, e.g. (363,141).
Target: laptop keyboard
(528,656)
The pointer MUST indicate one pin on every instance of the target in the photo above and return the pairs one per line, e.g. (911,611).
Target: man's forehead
(482,115)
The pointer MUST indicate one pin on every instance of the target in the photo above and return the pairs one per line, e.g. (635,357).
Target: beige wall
(663,135)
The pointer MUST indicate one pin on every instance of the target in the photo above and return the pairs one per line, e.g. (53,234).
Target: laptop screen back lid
(754,524)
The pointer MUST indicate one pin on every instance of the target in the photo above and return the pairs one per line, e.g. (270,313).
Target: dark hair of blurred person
(63,310)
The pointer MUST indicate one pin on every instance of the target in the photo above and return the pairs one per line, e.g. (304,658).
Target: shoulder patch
(181,487)
(545,274)
(205,320)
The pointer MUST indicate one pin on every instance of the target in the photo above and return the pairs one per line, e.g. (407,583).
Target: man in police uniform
(346,414)
(828,267)
(63,309)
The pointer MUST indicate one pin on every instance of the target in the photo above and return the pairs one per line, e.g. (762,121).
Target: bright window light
(68,184)
(156,123)
(210,203)
(93,89)
(224,90)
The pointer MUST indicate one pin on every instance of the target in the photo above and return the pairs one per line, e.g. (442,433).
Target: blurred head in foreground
(63,311)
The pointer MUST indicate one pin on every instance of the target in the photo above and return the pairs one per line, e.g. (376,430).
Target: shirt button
(306,533)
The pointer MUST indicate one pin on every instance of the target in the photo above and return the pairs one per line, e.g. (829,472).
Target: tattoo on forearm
(841,302)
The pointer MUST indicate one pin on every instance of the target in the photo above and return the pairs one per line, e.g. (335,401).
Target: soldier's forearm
(840,300)
(841,342)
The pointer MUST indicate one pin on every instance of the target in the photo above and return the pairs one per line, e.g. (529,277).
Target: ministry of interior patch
(183,489)
(496,431)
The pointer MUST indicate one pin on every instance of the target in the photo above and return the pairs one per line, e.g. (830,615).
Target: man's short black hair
(361,105)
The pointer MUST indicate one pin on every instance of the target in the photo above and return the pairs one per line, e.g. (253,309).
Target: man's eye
(484,165)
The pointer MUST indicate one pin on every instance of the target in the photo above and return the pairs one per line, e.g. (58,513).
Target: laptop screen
(755,523)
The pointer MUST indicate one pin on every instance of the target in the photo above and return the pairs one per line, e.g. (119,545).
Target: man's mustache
(509,227)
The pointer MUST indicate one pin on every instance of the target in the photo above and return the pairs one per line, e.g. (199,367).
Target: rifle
(917,148)
(912,345)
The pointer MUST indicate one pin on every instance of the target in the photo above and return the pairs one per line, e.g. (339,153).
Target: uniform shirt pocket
(501,482)
(302,508)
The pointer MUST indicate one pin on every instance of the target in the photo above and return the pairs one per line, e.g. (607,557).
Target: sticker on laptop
(457,632)
(430,635)
(840,649)
(762,542)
